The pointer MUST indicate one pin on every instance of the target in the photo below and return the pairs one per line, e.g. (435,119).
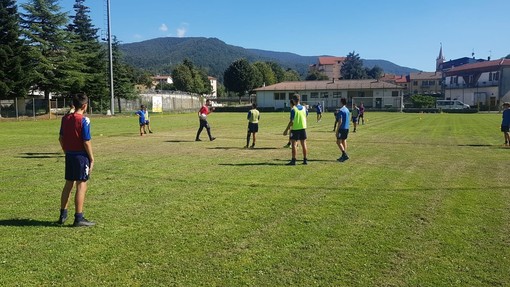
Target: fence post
(16,105)
(33,107)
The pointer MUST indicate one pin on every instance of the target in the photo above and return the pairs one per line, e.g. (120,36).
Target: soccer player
(342,129)
(318,109)
(297,122)
(75,141)
(361,116)
(147,121)
(202,116)
(355,114)
(505,123)
(253,124)
(141,119)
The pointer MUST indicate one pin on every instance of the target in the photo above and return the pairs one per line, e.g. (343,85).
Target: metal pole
(33,107)
(111,58)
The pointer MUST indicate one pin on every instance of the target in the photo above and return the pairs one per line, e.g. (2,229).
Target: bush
(421,101)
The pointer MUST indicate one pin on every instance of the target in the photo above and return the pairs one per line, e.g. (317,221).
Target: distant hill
(161,55)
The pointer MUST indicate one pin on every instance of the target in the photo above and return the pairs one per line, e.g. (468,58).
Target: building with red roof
(482,84)
(329,66)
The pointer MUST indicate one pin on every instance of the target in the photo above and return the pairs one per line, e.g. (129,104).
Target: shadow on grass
(251,164)
(179,141)
(34,155)
(26,222)
(231,147)
(283,162)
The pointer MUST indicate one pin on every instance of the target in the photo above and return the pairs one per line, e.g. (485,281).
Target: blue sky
(407,33)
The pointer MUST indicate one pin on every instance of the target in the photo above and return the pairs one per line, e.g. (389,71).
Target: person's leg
(64,200)
(199,131)
(141,130)
(507,138)
(79,199)
(305,151)
(254,139)
(247,139)
(208,129)
(293,143)
(354,124)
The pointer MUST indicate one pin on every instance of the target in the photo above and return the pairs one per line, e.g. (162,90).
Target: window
(494,76)
(279,96)
(337,94)
(415,83)
(394,93)
(314,95)
(361,94)
(304,98)
(324,94)
(432,83)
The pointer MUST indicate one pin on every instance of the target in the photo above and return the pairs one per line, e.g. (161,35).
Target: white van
(451,104)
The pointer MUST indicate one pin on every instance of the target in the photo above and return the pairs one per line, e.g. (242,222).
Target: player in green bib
(253,125)
(297,122)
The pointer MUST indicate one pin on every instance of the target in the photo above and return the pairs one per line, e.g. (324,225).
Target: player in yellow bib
(253,125)
(297,122)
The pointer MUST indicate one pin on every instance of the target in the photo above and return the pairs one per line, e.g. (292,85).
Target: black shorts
(253,127)
(298,135)
(505,129)
(77,167)
(354,119)
(342,134)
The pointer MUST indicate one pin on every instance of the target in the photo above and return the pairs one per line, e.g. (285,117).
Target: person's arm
(339,123)
(88,149)
(285,132)
(61,141)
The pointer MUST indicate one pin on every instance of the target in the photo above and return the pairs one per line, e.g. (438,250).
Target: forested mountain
(161,55)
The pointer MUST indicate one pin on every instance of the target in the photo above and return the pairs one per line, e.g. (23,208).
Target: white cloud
(163,28)
(181,31)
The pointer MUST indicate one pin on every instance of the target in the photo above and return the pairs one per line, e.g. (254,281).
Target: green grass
(423,201)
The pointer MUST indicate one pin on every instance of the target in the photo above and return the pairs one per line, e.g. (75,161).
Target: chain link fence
(27,108)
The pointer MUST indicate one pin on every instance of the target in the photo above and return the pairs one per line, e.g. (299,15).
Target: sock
(78,216)
(63,213)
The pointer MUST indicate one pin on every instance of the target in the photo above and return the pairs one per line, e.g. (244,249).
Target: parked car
(451,105)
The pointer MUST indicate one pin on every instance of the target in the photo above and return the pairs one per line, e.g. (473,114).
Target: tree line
(44,49)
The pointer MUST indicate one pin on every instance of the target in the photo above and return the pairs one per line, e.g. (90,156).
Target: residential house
(479,84)
(373,93)
(330,66)
(425,83)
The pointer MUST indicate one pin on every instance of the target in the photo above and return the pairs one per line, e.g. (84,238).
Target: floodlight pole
(111,58)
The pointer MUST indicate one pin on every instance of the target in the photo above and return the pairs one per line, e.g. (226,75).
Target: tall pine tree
(14,75)
(91,55)
(43,25)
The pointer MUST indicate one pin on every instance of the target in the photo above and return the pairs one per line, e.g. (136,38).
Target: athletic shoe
(213,139)
(252,146)
(343,158)
(292,162)
(286,146)
(245,146)
(62,219)
(83,223)
(150,132)
(305,162)
(198,140)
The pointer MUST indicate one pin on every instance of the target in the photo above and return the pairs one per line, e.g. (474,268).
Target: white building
(484,83)
(373,93)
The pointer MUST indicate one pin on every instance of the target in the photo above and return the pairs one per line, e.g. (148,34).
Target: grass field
(423,201)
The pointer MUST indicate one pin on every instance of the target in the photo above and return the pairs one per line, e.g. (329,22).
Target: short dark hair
(296,98)
(79,100)
(254,105)
(343,101)
(292,102)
